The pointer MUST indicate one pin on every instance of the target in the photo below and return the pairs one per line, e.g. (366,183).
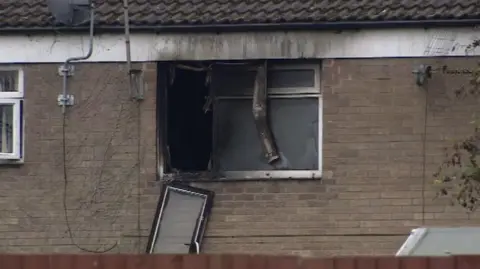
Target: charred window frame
(294,97)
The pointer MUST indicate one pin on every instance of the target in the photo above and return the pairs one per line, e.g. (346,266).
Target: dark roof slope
(34,13)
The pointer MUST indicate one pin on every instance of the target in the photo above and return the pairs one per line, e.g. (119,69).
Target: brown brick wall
(372,194)
(101,160)
(375,191)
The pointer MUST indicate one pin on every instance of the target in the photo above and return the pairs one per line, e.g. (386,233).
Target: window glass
(8,81)
(240,82)
(6,128)
(285,78)
(178,223)
(233,82)
(294,124)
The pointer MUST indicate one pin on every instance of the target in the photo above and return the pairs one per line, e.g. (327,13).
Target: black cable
(65,185)
(139,146)
(65,179)
(424,154)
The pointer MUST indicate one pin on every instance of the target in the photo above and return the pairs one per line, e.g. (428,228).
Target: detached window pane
(178,224)
(8,81)
(294,124)
(6,128)
(180,221)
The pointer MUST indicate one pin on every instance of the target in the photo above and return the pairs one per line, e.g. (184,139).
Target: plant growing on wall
(459,174)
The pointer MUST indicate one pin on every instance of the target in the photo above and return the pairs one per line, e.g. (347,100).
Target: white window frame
(20,84)
(14,99)
(297,90)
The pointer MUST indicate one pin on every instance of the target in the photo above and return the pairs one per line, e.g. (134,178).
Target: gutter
(343,25)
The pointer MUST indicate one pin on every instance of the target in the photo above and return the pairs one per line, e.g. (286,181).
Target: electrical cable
(65,187)
(139,170)
(424,155)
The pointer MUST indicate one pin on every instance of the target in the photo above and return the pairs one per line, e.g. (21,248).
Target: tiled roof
(34,13)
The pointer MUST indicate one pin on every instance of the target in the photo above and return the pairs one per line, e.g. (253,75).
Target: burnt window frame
(201,224)
(163,79)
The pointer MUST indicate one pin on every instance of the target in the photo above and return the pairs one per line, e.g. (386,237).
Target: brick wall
(102,164)
(373,192)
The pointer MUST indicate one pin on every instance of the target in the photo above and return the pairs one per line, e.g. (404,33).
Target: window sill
(245,175)
(6,162)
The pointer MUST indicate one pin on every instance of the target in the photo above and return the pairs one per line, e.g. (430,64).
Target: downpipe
(260,115)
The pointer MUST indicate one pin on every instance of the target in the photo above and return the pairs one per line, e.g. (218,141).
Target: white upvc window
(11,118)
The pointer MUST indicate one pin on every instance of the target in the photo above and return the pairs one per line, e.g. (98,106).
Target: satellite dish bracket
(422,73)
(63,11)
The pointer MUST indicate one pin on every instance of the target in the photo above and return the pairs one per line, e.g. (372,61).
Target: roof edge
(343,25)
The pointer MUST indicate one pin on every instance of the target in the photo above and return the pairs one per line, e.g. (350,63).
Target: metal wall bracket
(69,100)
(137,84)
(69,69)
(422,74)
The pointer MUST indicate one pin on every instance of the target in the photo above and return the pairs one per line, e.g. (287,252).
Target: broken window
(261,118)
(189,132)
(180,220)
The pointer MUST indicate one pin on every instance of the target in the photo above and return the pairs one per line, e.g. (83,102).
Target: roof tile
(29,13)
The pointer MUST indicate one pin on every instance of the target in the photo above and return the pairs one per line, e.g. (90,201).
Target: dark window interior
(189,130)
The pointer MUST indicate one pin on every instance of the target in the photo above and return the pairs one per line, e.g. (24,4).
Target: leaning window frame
(305,92)
(200,226)
(288,93)
(16,100)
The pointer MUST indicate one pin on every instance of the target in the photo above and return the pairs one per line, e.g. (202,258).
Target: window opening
(213,123)
(189,129)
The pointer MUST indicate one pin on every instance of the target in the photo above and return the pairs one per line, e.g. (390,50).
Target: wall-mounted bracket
(68,100)
(137,84)
(422,74)
(69,69)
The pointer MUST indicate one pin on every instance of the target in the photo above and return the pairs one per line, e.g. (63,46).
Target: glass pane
(178,222)
(6,128)
(8,81)
(294,125)
(291,78)
(233,82)
(240,82)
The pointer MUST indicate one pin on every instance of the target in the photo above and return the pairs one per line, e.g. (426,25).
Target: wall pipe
(127,45)
(76,59)
(260,115)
